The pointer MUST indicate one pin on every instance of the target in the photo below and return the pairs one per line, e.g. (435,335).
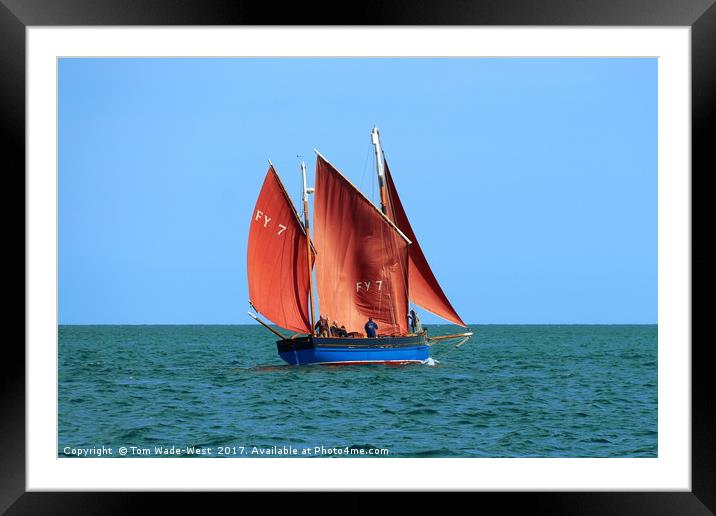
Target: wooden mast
(306,191)
(380,168)
(375,138)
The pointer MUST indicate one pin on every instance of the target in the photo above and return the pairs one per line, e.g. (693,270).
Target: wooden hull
(354,351)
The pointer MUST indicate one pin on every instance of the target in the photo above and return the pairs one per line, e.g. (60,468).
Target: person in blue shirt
(371,327)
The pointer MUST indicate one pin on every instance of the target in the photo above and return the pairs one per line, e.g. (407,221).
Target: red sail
(277,261)
(362,262)
(424,288)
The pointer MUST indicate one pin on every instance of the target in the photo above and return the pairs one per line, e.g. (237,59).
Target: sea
(223,391)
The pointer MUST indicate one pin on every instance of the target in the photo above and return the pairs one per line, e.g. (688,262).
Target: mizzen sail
(362,262)
(425,290)
(277,258)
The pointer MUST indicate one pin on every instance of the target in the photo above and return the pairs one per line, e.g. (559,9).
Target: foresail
(276,258)
(425,290)
(362,262)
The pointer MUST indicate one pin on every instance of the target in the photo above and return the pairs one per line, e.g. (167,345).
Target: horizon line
(424,324)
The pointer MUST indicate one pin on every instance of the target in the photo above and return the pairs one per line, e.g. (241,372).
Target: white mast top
(380,165)
(306,190)
(375,138)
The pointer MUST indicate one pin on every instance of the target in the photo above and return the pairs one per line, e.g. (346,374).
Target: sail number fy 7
(365,285)
(264,219)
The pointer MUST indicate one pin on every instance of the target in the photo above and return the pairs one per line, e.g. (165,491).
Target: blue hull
(354,351)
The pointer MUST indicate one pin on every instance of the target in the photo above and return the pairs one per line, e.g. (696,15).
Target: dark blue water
(512,391)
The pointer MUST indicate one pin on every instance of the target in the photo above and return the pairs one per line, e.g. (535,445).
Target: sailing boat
(368,266)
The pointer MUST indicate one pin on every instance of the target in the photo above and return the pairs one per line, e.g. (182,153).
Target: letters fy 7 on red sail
(265,220)
(365,285)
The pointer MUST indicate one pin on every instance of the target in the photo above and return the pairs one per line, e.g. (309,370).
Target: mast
(307,191)
(375,138)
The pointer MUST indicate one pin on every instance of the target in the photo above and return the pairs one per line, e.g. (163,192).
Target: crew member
(335,331)
(371,327)
(413,318)
(322,326)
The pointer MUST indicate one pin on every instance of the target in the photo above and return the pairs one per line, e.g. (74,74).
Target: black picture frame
(16,15)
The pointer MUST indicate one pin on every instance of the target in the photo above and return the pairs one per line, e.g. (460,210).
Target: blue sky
(531,183)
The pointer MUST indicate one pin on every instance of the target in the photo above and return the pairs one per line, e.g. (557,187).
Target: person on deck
(335,331)
(322,327)
(317,327)
(413,318)
(370,328)
(342,332)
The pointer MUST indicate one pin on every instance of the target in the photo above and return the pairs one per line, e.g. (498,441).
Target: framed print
(544,163)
